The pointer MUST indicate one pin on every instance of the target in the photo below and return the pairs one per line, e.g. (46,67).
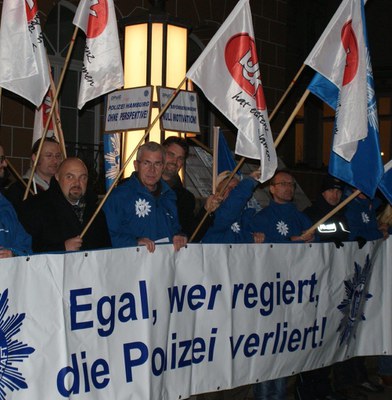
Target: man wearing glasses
(142,210)
(48,163)
(281,221)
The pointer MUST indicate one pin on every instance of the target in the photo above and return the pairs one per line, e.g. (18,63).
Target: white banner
(127,324)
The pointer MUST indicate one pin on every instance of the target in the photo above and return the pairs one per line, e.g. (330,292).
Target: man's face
(49,160)
(3,163)
(332,196)
(72,178)
(149,168)
(282,188)
(174,160)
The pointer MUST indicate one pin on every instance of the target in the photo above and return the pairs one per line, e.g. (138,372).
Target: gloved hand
(361,241)
(338,243)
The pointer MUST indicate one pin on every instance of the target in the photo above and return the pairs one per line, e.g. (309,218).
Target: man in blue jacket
(142,210)
(14,241)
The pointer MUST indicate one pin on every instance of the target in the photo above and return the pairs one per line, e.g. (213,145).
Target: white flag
(229,75)
(41,117)
(23,62)
(102,66)
(340,55)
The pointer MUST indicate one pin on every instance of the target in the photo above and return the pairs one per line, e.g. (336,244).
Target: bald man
(55,218)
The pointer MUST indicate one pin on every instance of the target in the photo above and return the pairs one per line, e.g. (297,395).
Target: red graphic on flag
(242,62)
(98,18)
(31,9)
(350,45)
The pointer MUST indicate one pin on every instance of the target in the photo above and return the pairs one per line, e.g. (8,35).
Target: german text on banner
(229,75)
(348,85)
(128,324)
(23,62)
(102,66)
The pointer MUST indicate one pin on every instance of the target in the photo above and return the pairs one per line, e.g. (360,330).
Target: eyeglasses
(285,184)
(2,159)
(149,164)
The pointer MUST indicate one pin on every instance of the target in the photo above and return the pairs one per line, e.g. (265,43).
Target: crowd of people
(152,206)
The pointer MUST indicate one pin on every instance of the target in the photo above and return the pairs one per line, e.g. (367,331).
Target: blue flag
(355,156)
(225,157)
(386,182)
(112,151)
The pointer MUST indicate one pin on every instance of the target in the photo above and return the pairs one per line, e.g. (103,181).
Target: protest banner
(182,114)
(128,109)
(127,324)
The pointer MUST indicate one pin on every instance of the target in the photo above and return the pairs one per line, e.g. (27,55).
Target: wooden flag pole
(242,160)
(17,175)
(56,117)
(352,196)
(215,159)
(238,166)
(283,98)
(130,157)
(68,57)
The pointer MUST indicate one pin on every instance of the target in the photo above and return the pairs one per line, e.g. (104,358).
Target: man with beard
(56,217)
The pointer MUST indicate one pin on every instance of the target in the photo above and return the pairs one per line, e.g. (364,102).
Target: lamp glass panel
(176,55)
(156,57)
(135,56)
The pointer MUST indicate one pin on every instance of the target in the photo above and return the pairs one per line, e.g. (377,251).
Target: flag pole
(283,98)
(214,159)
(68,57)
(238,166)
(242,160)
(17,175)
(333,212)
(170,100)
(56,118)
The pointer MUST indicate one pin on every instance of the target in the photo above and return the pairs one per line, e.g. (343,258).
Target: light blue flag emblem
(112,151)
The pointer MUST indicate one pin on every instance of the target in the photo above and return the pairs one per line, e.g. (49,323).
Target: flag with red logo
(345,81)
(102,65)
(340,55)
(229,75)
(23,62)
(41,118)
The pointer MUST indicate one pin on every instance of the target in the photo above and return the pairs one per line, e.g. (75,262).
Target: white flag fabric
(23,62)
(41,117)
(340,55)
(102,66)
(229,75)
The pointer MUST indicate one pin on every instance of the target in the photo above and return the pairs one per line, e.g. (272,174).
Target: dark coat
(50,220)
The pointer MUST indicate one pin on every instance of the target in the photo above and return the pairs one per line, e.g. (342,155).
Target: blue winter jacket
(362,220)
(12,234)
(232,218)
(133,212)
(279,222)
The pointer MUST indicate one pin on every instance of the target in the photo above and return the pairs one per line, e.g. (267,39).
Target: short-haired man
(280,221)
(55,218)
(47,166)
(142,210)
(176,152)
